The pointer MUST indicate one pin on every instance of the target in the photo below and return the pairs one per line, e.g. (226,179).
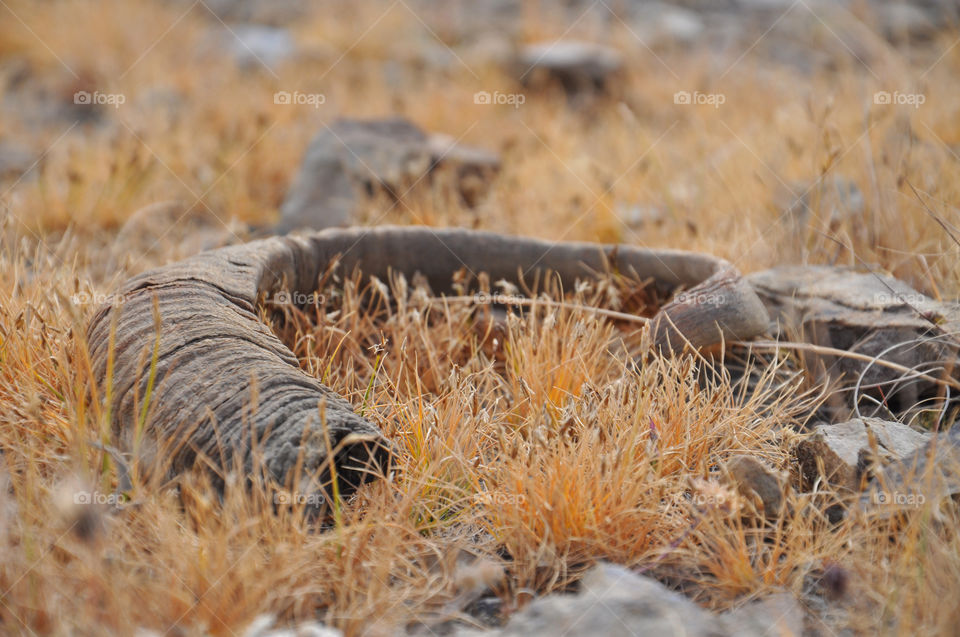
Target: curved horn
(214,354)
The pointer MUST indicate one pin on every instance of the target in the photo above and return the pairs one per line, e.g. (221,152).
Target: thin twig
(493,298)
(775,345)
(821,349)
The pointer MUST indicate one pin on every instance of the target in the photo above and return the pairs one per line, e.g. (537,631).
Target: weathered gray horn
(228,388)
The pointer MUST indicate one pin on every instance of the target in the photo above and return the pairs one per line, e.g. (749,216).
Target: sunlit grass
(554,446)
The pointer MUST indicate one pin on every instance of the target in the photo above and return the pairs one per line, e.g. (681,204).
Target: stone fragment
(658,24)
(930,473)
(845,452)
(265,626)
(869,314)
(354,159)
(903,22)
(253,45)
(779,614)
(580,67)
(616,602)
(269,12)
(757,482)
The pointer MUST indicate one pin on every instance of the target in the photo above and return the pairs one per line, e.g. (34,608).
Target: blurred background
(134,132)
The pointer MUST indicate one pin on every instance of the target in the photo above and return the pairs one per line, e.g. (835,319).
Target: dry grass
(522,460)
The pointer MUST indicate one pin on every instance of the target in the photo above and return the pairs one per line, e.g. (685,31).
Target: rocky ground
(554,475)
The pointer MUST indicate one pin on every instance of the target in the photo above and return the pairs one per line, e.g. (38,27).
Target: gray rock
(616,602)
(760,484)
(273,12)
(929,474)
(263,626)
(845,450)
(778,614)
(944,13)
(814,35)
(464,19)
(715,6)
(903,22)
(473,167)
(15,160)
(356,158)
(765,5)
(681,25)
(494,49)
(580,67)
(870,314)
(253,45)
(657,24)
(642,216)
(30,102)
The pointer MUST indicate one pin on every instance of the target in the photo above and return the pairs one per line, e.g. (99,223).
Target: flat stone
(271,12)
(761,484)
(902,22)
(253,45)
(777,614)
(929,474)
(616,602)
(638,215)
(844,450)
(580,67)
(660,24)
(871,314)
(354,159)
(263,626)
